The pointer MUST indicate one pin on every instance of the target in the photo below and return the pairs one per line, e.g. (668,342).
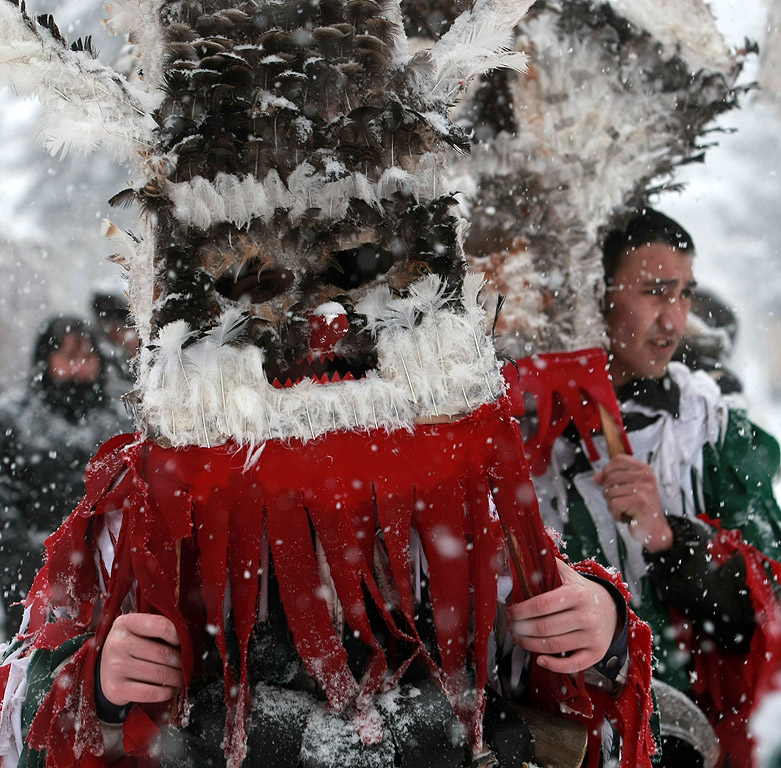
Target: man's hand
(578,618)
(140,661)
(632,495)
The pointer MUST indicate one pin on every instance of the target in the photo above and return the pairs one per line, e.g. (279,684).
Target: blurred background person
(118,341)
(50,429)
(709,339)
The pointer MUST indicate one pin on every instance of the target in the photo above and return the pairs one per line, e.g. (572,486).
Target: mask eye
(357,266)
(254,287)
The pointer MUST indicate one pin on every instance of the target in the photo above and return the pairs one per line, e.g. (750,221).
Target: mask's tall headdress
(618,96)
(297,230)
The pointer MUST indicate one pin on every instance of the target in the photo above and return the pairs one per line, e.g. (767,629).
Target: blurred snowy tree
(51,210)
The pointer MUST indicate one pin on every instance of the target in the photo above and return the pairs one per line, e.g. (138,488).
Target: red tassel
(565,386)
(138,732)
(630,712)
(727,685)
(487,555)
(306,609)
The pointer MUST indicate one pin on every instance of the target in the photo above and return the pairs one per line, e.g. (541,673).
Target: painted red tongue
(326,330)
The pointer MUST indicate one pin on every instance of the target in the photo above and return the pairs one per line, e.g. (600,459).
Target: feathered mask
(301,276)
(619,95)
(301,267)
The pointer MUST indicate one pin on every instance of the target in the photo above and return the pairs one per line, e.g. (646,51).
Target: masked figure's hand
(141,661)
(579,619)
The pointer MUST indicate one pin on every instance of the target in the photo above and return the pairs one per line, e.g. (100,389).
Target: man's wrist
(615,657)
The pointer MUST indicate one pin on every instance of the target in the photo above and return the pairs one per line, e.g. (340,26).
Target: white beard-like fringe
(239,201)
(206,393)
(86,104)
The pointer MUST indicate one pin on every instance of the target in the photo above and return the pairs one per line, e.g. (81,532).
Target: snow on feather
(87,104)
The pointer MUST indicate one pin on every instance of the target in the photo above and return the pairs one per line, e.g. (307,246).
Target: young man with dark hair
(697,465)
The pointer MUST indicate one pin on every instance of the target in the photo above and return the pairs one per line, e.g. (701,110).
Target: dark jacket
(49,430)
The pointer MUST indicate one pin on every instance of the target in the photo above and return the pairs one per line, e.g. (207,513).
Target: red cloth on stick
(566,386)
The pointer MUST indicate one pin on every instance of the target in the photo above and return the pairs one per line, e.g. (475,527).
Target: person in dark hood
(118,340)
(50,429)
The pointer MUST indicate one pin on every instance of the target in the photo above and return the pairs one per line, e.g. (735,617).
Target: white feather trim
(87,104)
(201,203)
(209,391)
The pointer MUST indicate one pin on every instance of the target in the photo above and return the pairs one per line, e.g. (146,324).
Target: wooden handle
(615,445)
(516,555)
(557,741)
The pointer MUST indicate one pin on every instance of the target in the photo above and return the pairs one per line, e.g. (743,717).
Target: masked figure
(326,476)
(620,95)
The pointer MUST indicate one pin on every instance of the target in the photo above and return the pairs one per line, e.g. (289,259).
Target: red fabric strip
(728,686)
(565,386)
(632,710)
(438,518)
(487,555)
(302,595)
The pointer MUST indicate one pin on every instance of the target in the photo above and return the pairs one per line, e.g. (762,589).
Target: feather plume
(205,361)
(87,104)
(376,308)
(124,241)
(429,294)
(404,313)
(168,350)
(479,40)
(474,282)
(589,133)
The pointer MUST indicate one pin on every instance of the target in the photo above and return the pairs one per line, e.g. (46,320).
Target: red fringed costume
(571,388)
(728,686)
(195,521)
(567,387)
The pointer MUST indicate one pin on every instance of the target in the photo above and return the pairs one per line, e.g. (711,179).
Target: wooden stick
(615,445)
(516,555)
